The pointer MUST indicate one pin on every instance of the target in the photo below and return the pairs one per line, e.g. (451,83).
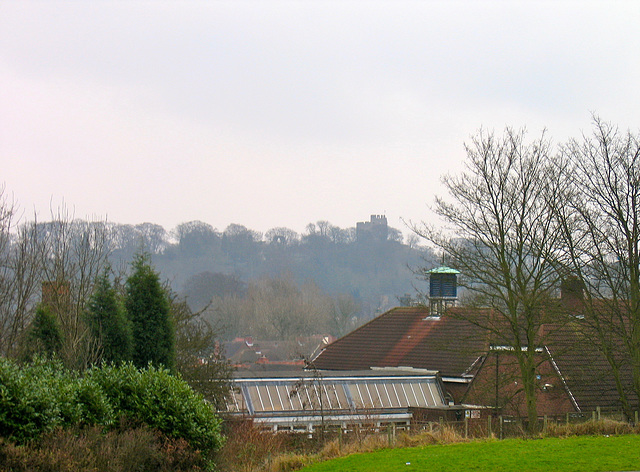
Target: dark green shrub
(46,332)
(44,395)
(28,400)
(93,405)
(154,397)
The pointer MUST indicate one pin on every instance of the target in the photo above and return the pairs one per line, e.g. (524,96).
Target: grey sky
(271,113)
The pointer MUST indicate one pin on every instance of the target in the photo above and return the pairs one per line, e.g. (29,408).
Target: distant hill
(373,266)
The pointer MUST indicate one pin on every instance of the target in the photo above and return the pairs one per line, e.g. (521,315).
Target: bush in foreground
(44,396)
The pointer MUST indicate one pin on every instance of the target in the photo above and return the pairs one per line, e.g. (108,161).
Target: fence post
(489,432)
(635,415)
(389,435)
(598,410)
(466,426)
(593,415)
(567,417)
(501,426)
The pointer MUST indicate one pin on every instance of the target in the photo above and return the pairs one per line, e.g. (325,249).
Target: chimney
(56,294)
(572,293)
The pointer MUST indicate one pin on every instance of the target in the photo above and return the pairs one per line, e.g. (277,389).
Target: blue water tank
(443,283)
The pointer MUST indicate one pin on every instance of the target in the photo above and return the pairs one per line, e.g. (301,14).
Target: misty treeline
(279,308)
(277,285)
(281,283)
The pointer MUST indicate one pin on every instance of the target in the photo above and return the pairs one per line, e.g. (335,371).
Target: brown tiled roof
(249,350)
(408,337)
(585,370)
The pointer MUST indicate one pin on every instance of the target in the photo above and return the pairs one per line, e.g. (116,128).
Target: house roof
(409,337)
(286,354)
(585,370)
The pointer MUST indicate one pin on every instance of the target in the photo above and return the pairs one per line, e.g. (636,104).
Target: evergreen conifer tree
(46,331)
(147,306)
(108,321)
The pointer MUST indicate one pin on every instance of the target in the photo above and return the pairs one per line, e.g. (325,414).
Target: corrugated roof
(408,337)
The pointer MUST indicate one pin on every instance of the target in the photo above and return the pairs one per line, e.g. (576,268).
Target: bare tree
(600,215)
(199,356)
(7,283)
(20,262)
(62,257)
(155,237)
(23,282)
(76,252)
(311,229)
(284,310)
(504,242)
(345,311)
(280,235)
(273,308)
(323,227)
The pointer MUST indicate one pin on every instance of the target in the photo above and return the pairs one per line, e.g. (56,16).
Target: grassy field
(573,454)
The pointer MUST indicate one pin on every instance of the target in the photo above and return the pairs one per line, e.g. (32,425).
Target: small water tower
(443,289)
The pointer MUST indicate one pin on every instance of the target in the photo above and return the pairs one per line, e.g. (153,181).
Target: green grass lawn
(576,454)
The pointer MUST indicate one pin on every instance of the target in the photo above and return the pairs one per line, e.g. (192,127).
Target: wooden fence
(491,425)
(497,426)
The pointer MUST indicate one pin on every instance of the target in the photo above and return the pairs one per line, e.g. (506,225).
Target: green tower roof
(443,270)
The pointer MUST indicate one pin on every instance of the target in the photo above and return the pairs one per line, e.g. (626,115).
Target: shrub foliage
(43,396)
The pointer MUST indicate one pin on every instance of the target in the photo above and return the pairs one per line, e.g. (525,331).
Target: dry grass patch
(589,428)
(92,449)
(290,462)
(442,435)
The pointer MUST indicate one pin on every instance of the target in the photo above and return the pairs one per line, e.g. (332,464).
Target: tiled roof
(408,337)
(585,370)
(242,351)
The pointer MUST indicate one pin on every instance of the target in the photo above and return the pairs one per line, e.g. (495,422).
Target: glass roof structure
(332,394)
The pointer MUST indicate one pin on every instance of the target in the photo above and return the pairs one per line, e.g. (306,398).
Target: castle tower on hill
(374,230)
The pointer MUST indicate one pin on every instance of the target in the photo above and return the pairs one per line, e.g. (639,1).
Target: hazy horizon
(282,113)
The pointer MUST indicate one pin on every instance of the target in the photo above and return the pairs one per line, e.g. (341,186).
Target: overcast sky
(280,113)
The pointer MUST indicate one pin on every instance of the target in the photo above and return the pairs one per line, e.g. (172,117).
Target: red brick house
(573,376)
